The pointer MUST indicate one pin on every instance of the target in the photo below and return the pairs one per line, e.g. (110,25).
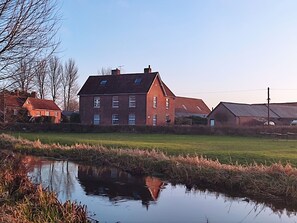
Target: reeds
(23,202)
(274,182)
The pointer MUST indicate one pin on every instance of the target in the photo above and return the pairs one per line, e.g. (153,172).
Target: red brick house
(126,99)
(13,105)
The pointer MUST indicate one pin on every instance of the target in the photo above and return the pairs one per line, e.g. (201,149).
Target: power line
(230,91)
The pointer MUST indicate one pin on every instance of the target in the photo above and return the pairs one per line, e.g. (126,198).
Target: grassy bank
(23,202)
(227,149)
(274,182)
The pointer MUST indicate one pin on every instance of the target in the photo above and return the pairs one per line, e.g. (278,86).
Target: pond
(114,196)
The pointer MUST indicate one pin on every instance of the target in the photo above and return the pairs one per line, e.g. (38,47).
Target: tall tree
(55,76)
(23,78)
(104,71)
(69,83)
(27,30)
(41,77)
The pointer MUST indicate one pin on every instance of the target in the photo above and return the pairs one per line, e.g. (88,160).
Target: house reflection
(118,185)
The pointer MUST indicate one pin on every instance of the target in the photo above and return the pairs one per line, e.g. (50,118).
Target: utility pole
(268,100)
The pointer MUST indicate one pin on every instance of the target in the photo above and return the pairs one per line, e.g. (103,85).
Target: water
(115,196)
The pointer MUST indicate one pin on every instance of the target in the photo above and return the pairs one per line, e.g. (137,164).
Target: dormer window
(103,82)
(137,81)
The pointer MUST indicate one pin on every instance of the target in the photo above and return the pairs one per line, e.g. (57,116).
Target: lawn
(227,149)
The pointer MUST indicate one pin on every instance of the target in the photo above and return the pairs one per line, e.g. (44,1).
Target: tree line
(28,46)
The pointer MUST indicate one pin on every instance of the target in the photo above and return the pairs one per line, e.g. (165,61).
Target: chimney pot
(148,70)
(116,72)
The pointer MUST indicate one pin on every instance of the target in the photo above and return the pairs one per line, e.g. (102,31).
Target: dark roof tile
(118,84)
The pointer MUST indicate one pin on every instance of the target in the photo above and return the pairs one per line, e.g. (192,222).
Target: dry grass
(274,182)
(23,202)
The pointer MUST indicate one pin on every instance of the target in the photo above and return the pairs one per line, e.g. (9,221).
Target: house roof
(118,84)
(168,92)
(190,106)
(14,101)
(42,104)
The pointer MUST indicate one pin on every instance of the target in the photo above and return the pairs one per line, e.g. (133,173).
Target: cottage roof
(118,84)
(190,106)
(42,104)
(14,101)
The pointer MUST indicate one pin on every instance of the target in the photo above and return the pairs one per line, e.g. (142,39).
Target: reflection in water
(118,185)
(113,196)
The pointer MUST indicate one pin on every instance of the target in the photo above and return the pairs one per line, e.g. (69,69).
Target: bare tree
(69,83)
(41,77)
(23,78)
(55,76)
(104,71)
(27,30)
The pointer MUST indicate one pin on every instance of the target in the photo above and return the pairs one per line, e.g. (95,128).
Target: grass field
(226,149)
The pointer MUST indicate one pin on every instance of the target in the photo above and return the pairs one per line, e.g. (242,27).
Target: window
(131,120)
(37,113)
(56,114)
(212,122)
(96,102)
(115,119)
(46,113)
(167,103)
(155,102)
(115,101)
(132,101)
(103,82)
(168,119)
(154,120)
(137,81)
(96,119)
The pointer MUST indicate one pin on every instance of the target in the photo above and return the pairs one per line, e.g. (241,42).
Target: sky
(216,50)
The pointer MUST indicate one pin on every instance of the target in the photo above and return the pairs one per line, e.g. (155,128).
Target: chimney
(148,70)
(16,92)
(116,72)
(33,94)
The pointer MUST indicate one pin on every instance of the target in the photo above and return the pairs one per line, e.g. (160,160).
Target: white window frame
(96,102)
(132,101)
(155,118)
(131,119)
(47,113)
(167,103)
(155,102)
(115,101)
(115,119)
(96,119)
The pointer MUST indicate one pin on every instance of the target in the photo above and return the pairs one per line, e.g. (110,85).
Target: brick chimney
(33,94)
(148,70)
(116,72)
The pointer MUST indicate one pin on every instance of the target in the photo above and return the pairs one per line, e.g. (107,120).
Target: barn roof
(190,107)
(278,110)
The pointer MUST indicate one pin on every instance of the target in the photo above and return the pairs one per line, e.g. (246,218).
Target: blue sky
(216,50)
